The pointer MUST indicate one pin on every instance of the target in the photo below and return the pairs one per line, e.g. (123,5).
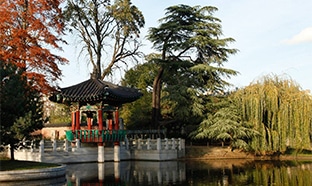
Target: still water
(194,173)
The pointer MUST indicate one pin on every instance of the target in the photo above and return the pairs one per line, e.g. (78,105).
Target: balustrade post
(173,144)
(54,145)
(179,143)
(41,150)
(32,146)
(139,144)
(148,143)
(24,145)
(166,144)
(126,143)
(78,144)
(158,144)
(66,145)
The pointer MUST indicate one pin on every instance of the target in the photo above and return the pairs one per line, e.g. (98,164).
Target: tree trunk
(12,151)
(156,98)
(156,114)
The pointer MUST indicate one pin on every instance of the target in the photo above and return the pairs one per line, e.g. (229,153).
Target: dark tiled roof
(95,90)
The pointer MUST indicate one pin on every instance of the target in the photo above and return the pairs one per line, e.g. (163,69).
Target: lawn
(7,165)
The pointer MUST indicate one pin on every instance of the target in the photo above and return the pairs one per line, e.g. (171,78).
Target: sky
(274,37)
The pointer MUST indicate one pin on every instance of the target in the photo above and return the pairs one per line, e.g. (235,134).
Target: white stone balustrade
(129,149)
(154,144)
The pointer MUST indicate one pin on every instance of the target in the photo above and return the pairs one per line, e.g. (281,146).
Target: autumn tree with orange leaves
(29,31)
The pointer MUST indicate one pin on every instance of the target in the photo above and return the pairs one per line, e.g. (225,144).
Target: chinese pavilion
(93,100)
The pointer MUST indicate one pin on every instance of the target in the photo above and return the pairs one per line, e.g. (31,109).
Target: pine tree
(21,107)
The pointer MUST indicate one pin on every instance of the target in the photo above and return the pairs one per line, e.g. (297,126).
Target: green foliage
(137,114)
(280,111)
(21,106)
(193,51)
(226,124)
(59,114)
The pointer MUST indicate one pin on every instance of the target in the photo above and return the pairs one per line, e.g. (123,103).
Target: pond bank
(34,174)
(205,152)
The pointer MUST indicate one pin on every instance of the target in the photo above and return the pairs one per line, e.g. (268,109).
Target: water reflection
(127,173)
(216,172)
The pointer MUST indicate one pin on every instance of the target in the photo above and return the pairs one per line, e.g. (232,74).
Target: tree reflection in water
(196,173)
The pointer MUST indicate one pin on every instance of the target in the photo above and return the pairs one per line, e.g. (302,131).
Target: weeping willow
(280,111)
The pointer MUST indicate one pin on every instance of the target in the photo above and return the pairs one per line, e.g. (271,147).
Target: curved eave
(93,91)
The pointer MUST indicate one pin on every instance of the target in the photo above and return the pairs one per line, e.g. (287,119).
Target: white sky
(272,36)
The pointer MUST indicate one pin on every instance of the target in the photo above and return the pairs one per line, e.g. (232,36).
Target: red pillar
(89,121)
(116,143)
(110,124)
(110,121)
(73,115)
(117,119)
(100,119)
(77,120)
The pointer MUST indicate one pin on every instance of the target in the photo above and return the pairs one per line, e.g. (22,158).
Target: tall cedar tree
(29,30)
(109,32)
(191,39)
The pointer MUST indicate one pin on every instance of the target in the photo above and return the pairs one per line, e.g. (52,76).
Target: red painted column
(117,119)
(77,120)
(116,143)
(73,115)
(89,121)
(110,124)
(110,121)
(100,119)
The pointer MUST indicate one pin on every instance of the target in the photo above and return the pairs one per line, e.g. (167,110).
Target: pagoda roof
(95,91)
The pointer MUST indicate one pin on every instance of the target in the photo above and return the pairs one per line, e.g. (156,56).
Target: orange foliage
(29,30)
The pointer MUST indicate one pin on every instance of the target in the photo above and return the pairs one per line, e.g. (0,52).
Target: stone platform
(45,176)
(138,149)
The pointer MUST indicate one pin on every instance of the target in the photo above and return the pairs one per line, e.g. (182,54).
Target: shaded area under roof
(94,91)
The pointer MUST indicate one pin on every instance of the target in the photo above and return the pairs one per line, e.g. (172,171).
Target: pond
(194,173)
(232,172)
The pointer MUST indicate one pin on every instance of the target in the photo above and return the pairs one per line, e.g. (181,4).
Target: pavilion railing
(95,135)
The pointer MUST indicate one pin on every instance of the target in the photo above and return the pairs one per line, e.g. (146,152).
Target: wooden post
(110,121)
(116,119)
(77,120)
(100,119)
(73,120)
(89,121)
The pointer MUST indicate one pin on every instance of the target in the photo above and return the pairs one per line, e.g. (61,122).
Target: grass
(8,165)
